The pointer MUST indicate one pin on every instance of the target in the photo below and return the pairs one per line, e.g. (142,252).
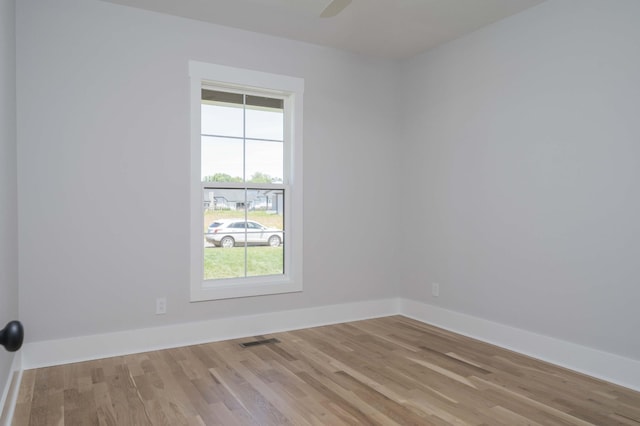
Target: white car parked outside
(228,233)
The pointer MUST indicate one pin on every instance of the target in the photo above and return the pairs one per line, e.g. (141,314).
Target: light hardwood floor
(376,372)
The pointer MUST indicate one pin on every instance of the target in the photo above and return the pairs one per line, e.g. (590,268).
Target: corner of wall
(592,362)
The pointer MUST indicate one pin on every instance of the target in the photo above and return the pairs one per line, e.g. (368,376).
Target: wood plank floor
(382,371)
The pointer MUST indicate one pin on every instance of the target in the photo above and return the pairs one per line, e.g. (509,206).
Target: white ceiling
(392,29)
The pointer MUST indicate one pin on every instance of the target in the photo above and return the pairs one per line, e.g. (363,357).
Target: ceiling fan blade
(334,8)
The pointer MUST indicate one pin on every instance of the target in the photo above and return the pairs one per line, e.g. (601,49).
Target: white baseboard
(84,348)
(11,390)
(602,365)
(599,364)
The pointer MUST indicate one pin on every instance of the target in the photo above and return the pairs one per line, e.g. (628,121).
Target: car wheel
(274,241)
(227,242)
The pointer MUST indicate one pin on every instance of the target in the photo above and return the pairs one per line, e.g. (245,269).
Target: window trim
(292,88)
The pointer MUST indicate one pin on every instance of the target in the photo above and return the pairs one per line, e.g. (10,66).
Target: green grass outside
(261,216)
(230,262)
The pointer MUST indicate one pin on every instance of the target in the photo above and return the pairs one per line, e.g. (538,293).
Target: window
(246,190)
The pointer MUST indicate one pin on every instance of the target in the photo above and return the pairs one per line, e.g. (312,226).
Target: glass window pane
(225,234)
(264,124)
(264,162)
(265,260)
(222,120)
(265,232)
(242,139)
(264,102)
(221,159)
(224,263)
(224,205)
(235,247)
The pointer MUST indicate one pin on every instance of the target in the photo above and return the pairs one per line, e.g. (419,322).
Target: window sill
(246,287)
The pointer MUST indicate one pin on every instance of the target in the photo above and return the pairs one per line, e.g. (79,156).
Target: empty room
(320,212)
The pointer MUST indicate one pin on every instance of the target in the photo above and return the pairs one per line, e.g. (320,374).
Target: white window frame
(291,89)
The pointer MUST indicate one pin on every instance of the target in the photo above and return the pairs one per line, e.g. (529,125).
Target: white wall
(104,155)
(523,154)
(518,170)
(8,180)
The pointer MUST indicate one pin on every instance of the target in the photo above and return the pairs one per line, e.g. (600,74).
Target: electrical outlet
(161,305)
(435,289)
